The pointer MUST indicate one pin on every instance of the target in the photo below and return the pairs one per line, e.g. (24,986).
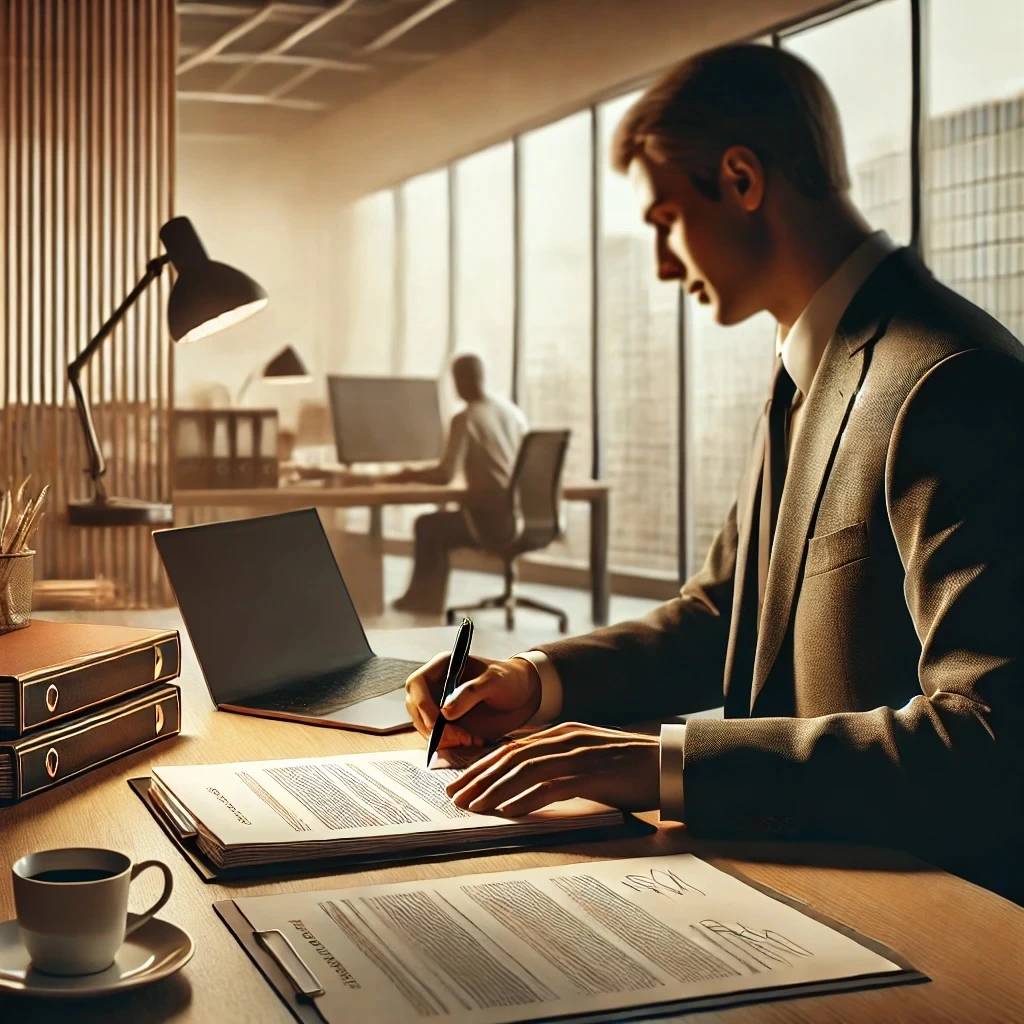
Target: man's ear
(741,177)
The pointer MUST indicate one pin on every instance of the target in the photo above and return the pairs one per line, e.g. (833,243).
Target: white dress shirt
(801,348)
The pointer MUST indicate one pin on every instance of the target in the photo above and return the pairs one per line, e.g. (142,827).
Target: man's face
(709,245)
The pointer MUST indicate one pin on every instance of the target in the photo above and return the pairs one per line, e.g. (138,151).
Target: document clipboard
(296,983)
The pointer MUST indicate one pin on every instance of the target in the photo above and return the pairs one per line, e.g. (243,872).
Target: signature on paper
(662,881)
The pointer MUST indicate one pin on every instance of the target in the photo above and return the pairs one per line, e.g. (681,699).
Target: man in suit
(864,624)
(483,442)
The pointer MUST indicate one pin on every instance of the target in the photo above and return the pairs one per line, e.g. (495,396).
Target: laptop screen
(385,419)
(263,601)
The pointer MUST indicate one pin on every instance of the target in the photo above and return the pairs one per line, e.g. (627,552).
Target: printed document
(543,943)
(260,812)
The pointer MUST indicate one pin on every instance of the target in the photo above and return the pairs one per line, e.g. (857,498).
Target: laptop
(274,628)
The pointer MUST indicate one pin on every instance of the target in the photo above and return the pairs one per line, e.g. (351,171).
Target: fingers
(509,771)
(541,772)
(419,696)
(544,793)
(566,736)
(456,736)
(466,697)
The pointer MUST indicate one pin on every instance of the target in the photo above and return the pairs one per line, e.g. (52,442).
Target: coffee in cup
(72,907)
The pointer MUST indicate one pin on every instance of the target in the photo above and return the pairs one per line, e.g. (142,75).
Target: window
(368,273)
(638,332)
(485,261)
(423,235)
(974,145)
(728,375)
(556,267)
(524,255)
(864,58)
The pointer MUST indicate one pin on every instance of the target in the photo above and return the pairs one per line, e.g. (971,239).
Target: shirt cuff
(550,706)
(673,738)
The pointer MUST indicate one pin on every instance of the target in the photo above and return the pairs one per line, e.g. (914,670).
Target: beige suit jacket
(882,699)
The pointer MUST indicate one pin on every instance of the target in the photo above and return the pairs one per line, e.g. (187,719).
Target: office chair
(535,496)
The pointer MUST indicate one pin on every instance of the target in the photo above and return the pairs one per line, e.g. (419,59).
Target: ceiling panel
(254,67)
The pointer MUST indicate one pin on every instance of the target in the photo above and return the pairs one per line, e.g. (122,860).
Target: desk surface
(359,495)
(969,941)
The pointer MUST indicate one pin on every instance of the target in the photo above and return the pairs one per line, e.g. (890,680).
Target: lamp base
(120,512)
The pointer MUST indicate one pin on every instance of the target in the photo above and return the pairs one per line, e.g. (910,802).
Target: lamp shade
(207,296)
(286,367)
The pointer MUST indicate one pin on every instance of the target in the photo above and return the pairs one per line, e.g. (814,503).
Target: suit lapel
(824,417)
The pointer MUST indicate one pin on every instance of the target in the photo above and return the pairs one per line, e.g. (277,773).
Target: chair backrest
(536,484)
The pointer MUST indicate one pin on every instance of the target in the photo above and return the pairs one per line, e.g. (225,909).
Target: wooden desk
(375,496)
(969,941)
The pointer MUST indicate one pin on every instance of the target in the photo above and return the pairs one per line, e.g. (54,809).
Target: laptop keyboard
(319,697)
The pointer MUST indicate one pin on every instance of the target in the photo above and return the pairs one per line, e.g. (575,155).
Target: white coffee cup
(72,907)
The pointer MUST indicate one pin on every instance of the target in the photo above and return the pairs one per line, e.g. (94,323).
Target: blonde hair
(746,95)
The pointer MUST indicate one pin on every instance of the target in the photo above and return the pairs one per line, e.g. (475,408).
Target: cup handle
(164,896)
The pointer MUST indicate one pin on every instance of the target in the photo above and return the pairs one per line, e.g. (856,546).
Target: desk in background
(970,942)
(376,496)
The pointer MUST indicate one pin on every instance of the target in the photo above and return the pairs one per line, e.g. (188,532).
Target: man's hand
(621,769)
(496,698)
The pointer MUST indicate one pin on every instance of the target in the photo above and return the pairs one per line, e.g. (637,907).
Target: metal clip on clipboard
(293,966)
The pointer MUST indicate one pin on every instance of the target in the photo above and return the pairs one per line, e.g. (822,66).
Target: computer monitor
(385,419)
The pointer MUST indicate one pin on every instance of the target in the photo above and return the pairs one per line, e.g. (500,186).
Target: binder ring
(158,662)
(52,696)
(159,719)
(52,762)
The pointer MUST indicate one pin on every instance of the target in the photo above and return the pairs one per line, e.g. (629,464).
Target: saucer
(156,950)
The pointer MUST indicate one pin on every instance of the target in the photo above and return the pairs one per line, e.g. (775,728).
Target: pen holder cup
(16,577)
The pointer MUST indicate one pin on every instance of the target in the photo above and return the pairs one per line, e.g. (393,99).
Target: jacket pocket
(833,550)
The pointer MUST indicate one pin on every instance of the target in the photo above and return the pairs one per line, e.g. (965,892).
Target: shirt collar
(804,344)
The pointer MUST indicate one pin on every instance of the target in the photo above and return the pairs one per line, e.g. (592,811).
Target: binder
(51,670)
(221,451)
(267,473)
(245,465)
(191,444)
(42,760)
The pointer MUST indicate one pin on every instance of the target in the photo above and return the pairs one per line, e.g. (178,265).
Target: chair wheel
(563,624)
(449,617)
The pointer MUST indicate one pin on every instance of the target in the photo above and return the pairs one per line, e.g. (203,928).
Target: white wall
(247,205)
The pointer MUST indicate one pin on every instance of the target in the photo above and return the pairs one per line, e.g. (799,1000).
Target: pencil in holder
(16,577)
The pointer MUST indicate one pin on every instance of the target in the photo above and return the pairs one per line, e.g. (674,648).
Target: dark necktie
(776,444)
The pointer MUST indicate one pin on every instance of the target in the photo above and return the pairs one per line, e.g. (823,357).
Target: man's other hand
(495,698)
(621,769)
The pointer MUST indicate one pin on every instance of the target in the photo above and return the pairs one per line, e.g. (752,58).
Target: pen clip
(310,988)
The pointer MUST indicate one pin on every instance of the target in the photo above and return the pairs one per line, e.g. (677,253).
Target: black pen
(456,666)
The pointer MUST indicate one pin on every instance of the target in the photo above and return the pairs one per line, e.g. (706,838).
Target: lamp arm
(245,386)
(97,464)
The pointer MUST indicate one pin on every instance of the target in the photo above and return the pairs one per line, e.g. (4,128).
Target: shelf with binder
(225,448)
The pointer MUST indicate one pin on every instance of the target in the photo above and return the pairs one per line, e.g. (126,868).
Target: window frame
(919,104)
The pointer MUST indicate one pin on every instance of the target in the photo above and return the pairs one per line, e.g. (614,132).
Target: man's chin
(727,315)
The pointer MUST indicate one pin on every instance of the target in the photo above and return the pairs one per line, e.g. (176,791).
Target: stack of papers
(594,941)
(269,812)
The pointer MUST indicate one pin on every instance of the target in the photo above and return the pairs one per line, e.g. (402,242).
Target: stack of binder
(74,696)
(218,448)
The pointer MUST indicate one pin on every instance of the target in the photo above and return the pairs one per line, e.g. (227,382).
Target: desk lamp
(206,297)
(286,367)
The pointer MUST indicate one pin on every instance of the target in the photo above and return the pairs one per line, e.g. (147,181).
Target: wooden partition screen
(86,179)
